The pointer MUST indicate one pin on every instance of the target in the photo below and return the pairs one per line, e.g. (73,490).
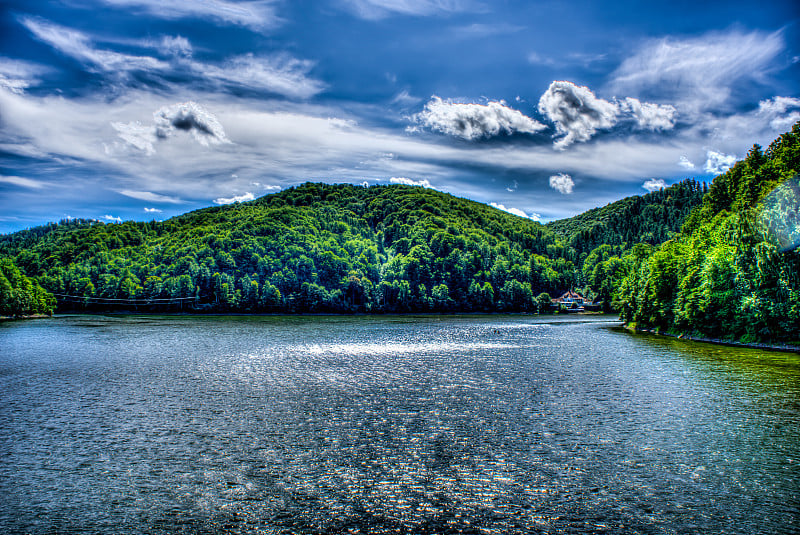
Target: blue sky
(145,109)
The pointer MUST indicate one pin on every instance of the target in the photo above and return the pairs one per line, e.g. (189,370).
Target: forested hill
(316,247)
(734,272)
(652,218)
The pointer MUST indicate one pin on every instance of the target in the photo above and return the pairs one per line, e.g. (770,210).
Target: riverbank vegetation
(734,271)
(21,296)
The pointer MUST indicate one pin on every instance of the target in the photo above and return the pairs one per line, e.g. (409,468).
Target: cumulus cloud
(516,211)
(698,72)
(562,182)
(408,182)
(186,116)
(650,116)
(258,14)
(654,184)
(685,163)
(112,219)
(236,198)
(718,162)
(378,9)
(576,112)
(475,121)
(152,210)
(189,117)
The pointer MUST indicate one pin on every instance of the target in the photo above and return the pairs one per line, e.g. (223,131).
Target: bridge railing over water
(66,300)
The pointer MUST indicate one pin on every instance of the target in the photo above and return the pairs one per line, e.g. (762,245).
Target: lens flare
(780,214)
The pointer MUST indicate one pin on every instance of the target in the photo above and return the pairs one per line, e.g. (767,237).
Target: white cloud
(409,182)
(475,121)
(403,98)
(140,136)
(480,30)
(650,116)
(378,9)
(576,112)
(236,198)
(21,182)
(718,162)
(516,211)
(17,75)
(537,59)
(512,188)
(281,74)
(186,116)
(77,45)
(776,110)
(259,14)
(654,184)
(176,46)
(698,72)
(15,85)
(189,117)
(685,163)
(113,219)
(288,143)
(150,196)
(152,210)
(562,182)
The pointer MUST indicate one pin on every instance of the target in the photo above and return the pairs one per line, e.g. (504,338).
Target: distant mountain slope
(316,247)
(652,218)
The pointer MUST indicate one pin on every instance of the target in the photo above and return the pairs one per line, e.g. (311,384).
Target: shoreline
(27,317)
(784,348)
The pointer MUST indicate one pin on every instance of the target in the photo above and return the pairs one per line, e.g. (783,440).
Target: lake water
(390,424)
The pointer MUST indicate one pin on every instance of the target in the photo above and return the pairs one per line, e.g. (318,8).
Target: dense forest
(313,248)
(734,271)
(21,296)
(652,219)
(339,248)
(716,261)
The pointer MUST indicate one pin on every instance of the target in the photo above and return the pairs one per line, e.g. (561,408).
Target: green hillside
(734,272)
(21,296)
(314,248)
(652,218)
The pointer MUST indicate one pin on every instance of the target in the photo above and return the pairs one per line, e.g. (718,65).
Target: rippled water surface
(479,424)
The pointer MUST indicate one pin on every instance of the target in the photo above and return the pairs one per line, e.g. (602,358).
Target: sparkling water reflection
(406,424)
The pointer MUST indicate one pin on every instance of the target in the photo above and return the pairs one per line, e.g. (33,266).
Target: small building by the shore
(572,301)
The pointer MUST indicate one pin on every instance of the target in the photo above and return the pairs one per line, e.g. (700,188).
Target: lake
(390,424)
